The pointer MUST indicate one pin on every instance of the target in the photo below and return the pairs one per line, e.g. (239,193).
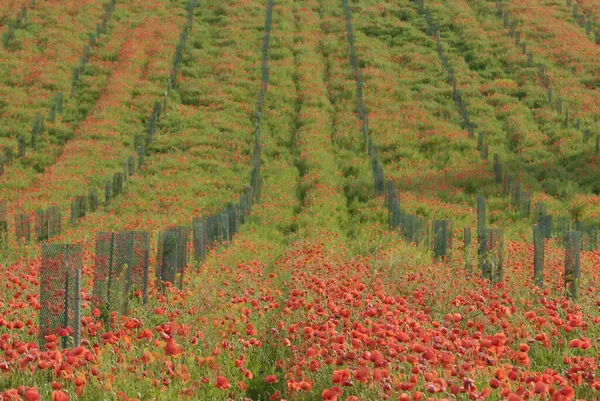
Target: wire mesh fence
(113,264)
(23,228)
(172,257)
(60,292)
(140,264)
(538,255)
(108,192)
(414,228)
(492,257)
(572,263)
(589,235)
(199,238)
(546,222)
(3,224)
(442,239)
(117,184)
(78,209)
(93,202)
(468,256)
(48,223)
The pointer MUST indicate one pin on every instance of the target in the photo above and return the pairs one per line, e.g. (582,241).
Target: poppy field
(335,200)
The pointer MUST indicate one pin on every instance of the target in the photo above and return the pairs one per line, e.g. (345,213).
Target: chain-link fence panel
(414,228)
(562,225)
(166,260)
(540,210)
(172,255)
(182,252)
(213,222)
(60,292)
(591,238)
(117,184)
(3,224)
(506,184)
(546,222)
(47,223)
(495,253)
(121,282)
(234,219)
(497,169)
(244,208)
(22,146)
(23,228)
(481,216)
(525,207)
(140,263)
(442,238)
(199,239)
(492,255)
(54,222)
(515,193)
(38,128)
(589,235)
(125,170)
(572,263)
(538,255)
(223,228)
(113,272)
(394,213)
(108,192)
(93,201)
(41,225)
(468,255)
(131,165)
(81,203)
(73,214)
(8,155)
(103,262)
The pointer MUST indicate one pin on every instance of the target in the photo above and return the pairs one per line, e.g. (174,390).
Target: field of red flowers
(318,296)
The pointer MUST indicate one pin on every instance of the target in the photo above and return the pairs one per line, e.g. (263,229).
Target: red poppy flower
(331,394)
(60,396)
(222,383)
